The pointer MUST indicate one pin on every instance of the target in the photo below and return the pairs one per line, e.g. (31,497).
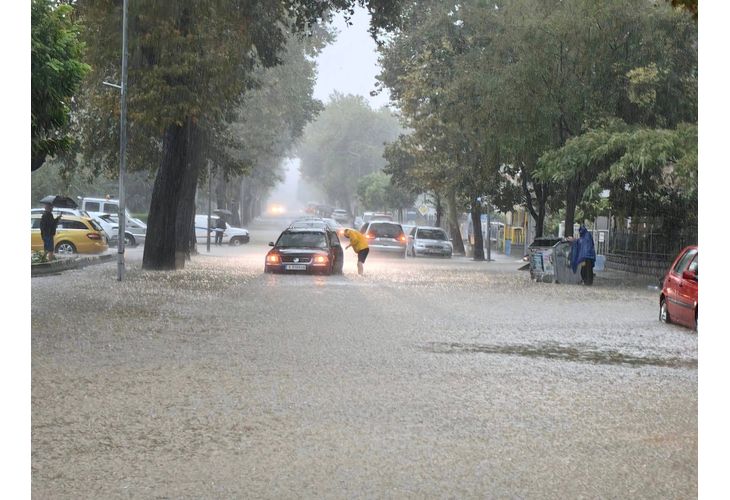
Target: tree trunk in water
(571,201)
(453,216)
(439,210)
(476,220)
(161,242)
(221,191)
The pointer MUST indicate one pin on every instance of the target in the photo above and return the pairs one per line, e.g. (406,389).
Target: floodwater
(424,378)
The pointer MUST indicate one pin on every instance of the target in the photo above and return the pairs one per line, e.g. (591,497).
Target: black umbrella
(222,211)
(59,201)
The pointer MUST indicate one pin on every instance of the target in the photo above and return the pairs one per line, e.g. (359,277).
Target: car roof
(305,230)
(430,227)
(65,217)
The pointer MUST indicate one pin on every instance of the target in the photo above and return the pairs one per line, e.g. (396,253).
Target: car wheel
(129,241)
(664,311)
(65,248)
(236,242)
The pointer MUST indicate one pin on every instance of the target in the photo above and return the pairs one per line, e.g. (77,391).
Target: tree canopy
(57,69)
(344,144)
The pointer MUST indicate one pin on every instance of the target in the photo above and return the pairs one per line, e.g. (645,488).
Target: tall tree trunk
(453,215)
(439,209)
(476,220)
(161,242)
(571,201)
(221,193)
(185,219)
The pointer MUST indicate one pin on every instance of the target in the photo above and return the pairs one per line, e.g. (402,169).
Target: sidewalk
(66,263)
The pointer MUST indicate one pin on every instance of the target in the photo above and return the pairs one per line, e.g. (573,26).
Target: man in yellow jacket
(359,244)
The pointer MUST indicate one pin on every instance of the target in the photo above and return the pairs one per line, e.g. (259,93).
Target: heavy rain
(408,250)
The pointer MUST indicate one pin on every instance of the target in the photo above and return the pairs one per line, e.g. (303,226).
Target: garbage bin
(540,252)
(507,247)
(563,272)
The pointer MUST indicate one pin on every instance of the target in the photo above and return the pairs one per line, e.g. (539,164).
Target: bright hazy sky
(350,64)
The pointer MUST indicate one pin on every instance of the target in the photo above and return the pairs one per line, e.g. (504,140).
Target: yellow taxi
(74,234)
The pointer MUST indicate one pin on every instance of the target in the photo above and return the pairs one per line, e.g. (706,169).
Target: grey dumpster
(563,272)
(540,251)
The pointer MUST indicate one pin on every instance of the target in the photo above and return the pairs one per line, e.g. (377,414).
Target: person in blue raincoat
(583,255)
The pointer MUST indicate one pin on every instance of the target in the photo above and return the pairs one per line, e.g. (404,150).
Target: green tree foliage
(649,172)
(264,128)
(57,70)
(377,192)
(344,144)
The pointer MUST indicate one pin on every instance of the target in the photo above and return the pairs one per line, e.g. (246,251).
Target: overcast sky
(350,64)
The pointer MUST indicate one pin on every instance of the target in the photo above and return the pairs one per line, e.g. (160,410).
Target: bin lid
(546,241)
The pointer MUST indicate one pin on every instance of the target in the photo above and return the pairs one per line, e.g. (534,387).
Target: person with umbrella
(48,229)
(220,225)
(583,255)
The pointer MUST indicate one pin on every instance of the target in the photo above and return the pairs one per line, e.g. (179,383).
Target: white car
(234,236)
(341,215)
(427,240)
(135,231)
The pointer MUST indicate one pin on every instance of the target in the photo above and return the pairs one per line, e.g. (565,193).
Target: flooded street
(424,378)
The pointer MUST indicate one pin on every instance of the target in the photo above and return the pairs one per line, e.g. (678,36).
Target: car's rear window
(72,224)
(385,230)
(431,234)
(302,239)
(94,224)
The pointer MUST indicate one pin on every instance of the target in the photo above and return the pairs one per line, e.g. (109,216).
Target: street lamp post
(122,149)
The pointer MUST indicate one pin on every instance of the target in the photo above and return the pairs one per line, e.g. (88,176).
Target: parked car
(341,215)
(678,300)
(305,250)
(74,234)
(135,231)
(234,236)
(427,240)
(385,237)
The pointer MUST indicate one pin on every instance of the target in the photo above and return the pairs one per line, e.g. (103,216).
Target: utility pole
(122,149)
(210,196)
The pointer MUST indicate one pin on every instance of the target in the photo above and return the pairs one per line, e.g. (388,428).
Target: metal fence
(648,252)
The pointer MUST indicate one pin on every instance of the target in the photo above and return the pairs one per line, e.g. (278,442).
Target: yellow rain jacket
(358,241)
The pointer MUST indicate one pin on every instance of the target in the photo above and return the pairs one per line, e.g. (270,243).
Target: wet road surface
(425,378)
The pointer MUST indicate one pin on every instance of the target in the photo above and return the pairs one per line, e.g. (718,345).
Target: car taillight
(402,237)
(93,236)
(369,236)
(273,258)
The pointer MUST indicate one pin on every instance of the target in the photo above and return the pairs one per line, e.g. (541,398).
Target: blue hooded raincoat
(583,249)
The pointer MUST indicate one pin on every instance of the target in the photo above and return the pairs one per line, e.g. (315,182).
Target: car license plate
(296,267)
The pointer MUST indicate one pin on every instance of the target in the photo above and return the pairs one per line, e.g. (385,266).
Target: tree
(190,62)
(344,144)
(57,70)
(649,172)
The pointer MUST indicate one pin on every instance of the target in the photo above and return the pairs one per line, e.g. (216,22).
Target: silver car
(385,237)
(426,240)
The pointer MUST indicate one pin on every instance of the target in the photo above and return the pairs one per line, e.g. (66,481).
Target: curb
(60,265)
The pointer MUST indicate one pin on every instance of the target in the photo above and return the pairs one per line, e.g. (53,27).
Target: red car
(678,301)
